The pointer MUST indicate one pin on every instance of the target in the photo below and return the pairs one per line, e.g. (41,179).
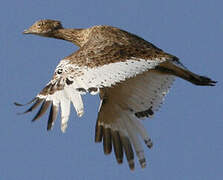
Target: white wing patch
(146,92)
(70,81)
(123,105)
(110,74)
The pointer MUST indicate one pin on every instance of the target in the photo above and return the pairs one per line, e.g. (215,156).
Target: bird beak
(27,31)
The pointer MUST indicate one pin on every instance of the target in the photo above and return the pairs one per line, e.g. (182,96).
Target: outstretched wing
(89,69)
(58,94)
(130,88)
(71,80)
(122,106)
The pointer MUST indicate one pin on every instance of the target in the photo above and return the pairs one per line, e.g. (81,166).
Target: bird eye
(39,24)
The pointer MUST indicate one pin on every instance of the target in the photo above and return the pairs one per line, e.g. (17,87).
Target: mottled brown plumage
(131,75)
(100,45)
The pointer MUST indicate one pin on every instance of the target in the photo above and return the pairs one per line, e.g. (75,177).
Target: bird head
(44,27)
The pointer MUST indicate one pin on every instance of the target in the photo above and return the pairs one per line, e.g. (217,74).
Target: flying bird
(131,75)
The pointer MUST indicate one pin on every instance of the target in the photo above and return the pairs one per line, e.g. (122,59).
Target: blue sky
(187,131)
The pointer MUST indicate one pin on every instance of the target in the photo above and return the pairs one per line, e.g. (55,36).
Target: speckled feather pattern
(107,45)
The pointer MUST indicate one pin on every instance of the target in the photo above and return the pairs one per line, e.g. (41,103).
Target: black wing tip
(27,111)
(34,119)
(119,161)
(107,141)
(131,165)
(21,113)
(18,104)
(36,101)
(30,102)
(49,128)
(42,110)
(121,145)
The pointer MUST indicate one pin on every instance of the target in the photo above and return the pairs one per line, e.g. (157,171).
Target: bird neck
(77,36)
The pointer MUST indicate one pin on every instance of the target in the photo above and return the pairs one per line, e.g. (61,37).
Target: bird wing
(122,106)
(89,69)
(58,94)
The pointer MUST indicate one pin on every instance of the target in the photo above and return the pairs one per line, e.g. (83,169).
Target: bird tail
(180,71)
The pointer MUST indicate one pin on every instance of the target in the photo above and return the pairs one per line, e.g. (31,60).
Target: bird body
(131,75)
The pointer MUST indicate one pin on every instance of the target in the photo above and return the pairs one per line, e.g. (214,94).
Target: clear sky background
(187,131)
